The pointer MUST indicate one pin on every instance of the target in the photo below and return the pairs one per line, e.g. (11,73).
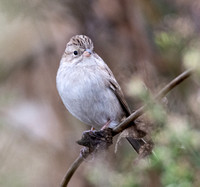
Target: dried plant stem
(127,121)
(71,171)
(162,93)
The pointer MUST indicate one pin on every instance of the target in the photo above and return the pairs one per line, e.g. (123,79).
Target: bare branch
(159,96)
(71,171)
(126,122)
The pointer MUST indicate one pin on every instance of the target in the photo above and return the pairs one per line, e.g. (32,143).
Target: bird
(88,88)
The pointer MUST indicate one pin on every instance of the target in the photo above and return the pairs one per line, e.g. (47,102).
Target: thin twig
(162,93)
(127,121)
(71,171)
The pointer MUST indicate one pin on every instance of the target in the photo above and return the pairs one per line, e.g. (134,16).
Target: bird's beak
(87,53)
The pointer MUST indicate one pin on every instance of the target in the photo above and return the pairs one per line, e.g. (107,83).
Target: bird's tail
(136,143)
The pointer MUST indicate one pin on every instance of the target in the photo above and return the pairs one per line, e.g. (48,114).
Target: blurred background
(144,43)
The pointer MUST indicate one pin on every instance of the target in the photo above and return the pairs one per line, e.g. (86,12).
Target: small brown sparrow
(89,89)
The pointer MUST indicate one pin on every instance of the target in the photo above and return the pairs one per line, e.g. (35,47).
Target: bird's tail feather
(136,143)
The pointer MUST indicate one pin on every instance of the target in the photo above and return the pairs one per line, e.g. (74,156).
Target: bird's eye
(75,52)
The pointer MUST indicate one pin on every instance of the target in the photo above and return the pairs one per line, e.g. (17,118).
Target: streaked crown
(81,41)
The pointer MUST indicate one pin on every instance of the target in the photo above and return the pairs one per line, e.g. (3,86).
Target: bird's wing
(117,91)
(114,86)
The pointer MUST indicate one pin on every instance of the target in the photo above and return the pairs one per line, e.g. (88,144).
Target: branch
(126,123)
(71,170)
(162,93)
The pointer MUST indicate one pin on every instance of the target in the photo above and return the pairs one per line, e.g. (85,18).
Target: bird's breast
(86,95)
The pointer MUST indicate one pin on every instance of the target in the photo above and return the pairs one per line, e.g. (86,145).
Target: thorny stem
(127,121)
